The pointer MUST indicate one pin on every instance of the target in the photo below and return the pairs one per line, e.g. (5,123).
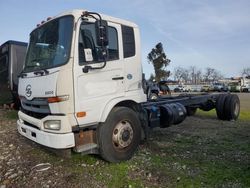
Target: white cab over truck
(82,88)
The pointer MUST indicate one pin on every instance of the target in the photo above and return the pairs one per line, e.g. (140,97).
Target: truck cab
(71,83)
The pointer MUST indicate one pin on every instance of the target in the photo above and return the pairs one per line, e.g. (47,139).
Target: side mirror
(101,28)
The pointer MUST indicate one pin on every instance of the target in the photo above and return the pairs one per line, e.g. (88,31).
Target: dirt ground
(200,152)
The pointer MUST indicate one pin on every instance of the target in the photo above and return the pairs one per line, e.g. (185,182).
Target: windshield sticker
(88,54)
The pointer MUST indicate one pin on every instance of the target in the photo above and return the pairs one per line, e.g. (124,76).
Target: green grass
(108,174)
(218,168)
(12,114)
(5,97)
(117,175)
(244,114)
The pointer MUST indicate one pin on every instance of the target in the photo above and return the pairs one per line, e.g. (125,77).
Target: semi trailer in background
(12,56)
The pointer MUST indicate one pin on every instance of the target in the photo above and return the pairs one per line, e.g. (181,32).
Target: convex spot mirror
(101,27)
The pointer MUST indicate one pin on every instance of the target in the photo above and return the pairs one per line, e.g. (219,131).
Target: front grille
(34,114)
(31,125)
(37,108)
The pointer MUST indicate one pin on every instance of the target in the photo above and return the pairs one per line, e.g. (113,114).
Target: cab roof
(78,12)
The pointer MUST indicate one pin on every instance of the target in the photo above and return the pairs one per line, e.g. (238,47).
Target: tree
(246,71)
(181,74)
(160,61)
(212,75)
(195,74)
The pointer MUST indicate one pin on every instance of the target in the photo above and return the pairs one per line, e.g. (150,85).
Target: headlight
(52,124)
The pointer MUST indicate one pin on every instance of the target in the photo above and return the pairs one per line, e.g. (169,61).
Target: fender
(135,96)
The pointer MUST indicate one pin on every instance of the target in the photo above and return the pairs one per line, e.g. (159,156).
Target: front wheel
(120,135)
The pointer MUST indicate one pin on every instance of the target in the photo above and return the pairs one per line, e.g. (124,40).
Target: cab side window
(89,51)
(128,39)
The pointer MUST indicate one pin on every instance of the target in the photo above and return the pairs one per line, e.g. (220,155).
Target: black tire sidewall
(105,133)
(230,103)
(220,106)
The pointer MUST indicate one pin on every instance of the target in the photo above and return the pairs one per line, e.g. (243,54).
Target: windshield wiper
(22,75)
(41,72)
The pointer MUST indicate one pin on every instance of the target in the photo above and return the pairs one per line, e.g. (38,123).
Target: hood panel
(38,86)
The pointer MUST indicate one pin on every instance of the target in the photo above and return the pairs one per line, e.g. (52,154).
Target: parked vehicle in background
(179,88)
(245,84)
(217,86)
(205,88)
(245,88)
(12,55)
(164,89)
(187,88)
(234,86)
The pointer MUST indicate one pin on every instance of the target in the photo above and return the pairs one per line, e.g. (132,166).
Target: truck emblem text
(28,91)
(49,92)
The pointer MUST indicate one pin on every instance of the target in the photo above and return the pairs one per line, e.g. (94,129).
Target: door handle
(118,78)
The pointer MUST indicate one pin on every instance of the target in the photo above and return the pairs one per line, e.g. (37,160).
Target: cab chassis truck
(82,88)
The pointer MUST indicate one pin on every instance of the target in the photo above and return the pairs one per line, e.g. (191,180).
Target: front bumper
(52,140)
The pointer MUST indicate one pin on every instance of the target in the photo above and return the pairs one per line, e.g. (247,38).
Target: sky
(201,33)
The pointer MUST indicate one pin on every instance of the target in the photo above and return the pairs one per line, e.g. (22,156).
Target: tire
(232,107)
(120,135)
(191,111)
(220,106)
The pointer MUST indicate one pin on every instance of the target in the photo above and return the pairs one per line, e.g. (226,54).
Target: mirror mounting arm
(86,68)
(91,14)
(101,27)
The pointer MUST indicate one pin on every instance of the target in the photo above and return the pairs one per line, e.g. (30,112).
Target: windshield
(50,45)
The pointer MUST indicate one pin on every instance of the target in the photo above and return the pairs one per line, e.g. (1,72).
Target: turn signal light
(58,99)
(80,114)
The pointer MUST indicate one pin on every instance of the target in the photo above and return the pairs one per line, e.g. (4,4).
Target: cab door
(94,88)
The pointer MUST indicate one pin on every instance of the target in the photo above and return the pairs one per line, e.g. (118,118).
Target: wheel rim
(122,134)
(236,109)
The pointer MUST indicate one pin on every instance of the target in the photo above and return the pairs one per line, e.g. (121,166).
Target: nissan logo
(28,91)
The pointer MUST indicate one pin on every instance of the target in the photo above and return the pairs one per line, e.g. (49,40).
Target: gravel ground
(200,152)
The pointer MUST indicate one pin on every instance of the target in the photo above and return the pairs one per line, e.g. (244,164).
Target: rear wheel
(120,135)
(220,103)
(228,107)
(232,107)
